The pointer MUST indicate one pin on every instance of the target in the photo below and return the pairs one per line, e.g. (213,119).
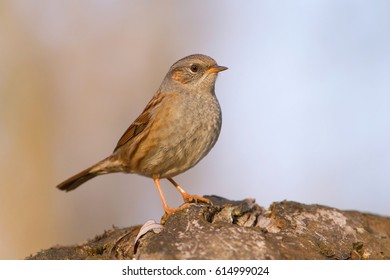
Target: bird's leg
(168,210)
(188,198)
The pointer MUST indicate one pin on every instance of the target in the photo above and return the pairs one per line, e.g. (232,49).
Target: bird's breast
(183,132)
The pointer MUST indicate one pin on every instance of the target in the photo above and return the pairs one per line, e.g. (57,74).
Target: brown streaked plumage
(178,127)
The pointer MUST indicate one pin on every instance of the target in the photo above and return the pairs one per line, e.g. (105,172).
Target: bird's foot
(190,198)
(170,211)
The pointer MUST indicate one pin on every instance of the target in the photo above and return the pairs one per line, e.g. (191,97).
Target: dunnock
(178,127)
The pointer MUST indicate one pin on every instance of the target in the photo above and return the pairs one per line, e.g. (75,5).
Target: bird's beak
(216,69)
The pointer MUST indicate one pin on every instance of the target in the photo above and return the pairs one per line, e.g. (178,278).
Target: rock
(243,230)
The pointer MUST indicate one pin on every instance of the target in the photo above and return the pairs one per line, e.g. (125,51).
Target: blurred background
(306,107)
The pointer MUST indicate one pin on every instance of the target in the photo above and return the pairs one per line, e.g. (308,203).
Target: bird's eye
(194,68)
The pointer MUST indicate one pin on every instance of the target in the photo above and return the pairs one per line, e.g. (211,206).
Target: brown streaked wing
(141,122)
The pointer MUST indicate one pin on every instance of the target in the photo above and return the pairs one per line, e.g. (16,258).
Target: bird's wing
(142,121)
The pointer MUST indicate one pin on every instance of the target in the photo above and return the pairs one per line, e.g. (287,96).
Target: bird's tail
(102,167)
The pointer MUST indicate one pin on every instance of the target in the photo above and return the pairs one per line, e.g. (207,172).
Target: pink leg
(188,198)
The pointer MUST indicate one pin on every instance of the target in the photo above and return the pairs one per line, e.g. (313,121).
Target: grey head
(196,72)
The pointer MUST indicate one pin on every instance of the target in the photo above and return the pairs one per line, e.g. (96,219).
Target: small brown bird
(178,127)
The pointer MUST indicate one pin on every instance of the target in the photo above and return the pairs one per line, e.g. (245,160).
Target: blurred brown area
(73,75)
(25,166)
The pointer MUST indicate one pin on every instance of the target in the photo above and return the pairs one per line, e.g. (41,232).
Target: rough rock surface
(243,230)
